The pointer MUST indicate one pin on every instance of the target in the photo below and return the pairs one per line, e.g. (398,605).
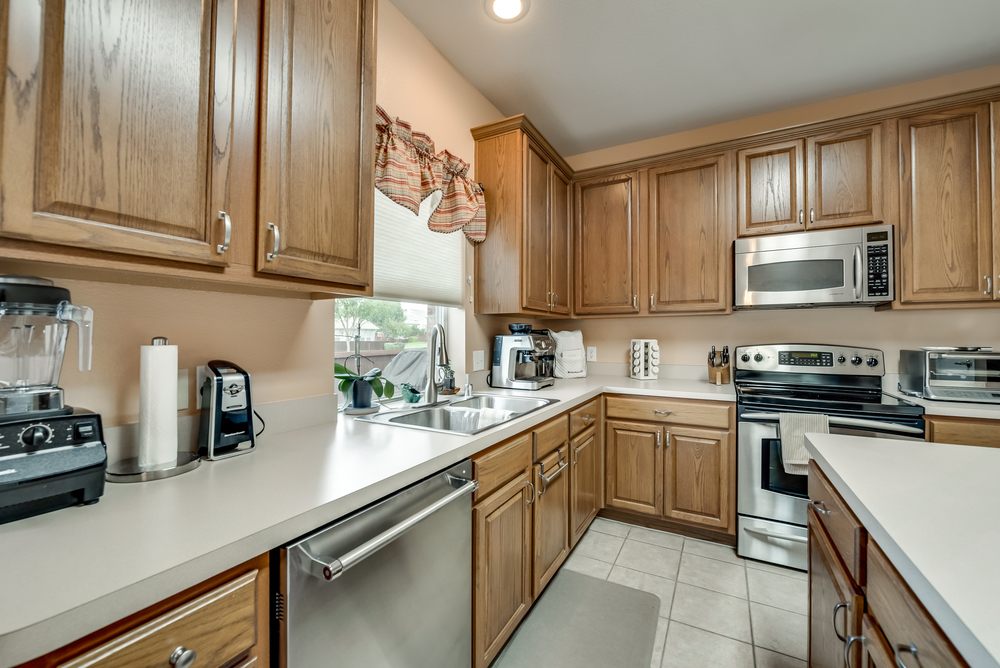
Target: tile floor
(716,609)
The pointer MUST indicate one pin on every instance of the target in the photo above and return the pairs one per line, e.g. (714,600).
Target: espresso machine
(51,455)
(523,359)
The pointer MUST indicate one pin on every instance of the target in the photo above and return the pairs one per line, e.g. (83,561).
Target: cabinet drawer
(550,436)
(963,431)
(844,528)
(501,465)
(902,617)
(583,417)
(219,627)
(670,411)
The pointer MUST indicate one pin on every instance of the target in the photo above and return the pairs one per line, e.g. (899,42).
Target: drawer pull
(900,649)
(662,412)
(778,536)
(822,511)
(847,648)
(531,499)
(183,657)
(224,246)
(587,418)
(837,608)
(277,242)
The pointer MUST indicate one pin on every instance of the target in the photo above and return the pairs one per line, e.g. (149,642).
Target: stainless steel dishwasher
(387,587)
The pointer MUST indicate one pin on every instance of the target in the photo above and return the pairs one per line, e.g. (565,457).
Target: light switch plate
(591,353)
(202,373)
(182,389)
(478,360)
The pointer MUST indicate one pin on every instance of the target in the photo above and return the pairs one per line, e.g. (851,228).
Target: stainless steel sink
(463,416)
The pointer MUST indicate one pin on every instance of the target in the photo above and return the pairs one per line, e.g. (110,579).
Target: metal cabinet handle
(812,215)
(183,657)
(549,297)
(662,412)
(837,608)
(668,438)
(822,511)
(555,298)
(659,434)
(635,301)
(847,648)
(547,479)
(531,499)
(587,417)
(228,235)
(277,242)
(989,285)
(576,460)
(651,301)
(911,648)
(801,217)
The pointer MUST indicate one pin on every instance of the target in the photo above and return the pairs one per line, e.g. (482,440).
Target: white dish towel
(571,358)
(794,426)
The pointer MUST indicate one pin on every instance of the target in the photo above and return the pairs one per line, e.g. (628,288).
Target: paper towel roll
(157,405)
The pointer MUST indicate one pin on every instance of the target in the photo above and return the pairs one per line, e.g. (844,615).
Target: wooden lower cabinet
(585,482)
(551,518)
(963,431)
(835,602)
(502,560)
(634,473)
(699,467)
(875,650)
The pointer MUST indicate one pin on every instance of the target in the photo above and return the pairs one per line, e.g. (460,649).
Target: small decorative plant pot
(361,394)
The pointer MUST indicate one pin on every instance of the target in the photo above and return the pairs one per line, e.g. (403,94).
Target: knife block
(718,375)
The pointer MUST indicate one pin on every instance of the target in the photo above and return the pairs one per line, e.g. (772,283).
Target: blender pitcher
(35,318)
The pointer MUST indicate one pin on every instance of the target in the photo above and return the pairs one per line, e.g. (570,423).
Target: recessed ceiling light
(506,11)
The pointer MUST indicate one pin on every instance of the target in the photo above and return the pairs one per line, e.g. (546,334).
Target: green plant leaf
(376,386)
(390,390)
(343,370)
(346,385)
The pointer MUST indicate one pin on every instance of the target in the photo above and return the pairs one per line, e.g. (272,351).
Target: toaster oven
(951,374)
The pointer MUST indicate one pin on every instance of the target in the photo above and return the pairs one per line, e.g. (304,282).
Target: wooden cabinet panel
(535,256)
(501,567)
(219,626)
(560,266)
(875,650)
(634,467)
(963,431)
(551,519)
(946,241)
(846,532)
(497,467)
(844,177)
(902,617)
(835,602)
(585,416)
(117,132)
(606,261)
(699,475)
(671,411)
(585,482)
(771,188)
(690,232)
(551,435)
(317,145)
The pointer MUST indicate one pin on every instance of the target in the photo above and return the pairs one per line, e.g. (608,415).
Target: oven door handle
(845,422)
(779,536)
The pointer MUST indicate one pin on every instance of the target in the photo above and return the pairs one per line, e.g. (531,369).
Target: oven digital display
(878,236)
(805,358)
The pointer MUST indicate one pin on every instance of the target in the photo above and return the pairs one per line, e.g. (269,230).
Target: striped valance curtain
(407,171)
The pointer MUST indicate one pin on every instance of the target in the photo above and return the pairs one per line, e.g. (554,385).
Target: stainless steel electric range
(842,382)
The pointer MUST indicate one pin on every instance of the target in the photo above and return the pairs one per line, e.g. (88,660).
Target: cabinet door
(946,242)
(559,250)
(551,516)
(317,145)
(535,251)
(689,236)
(963,431)
(835,603)
(585,482)
(501,567)
(634,479)
(699,474)
(771,189)
(116,135)
(605,261)
(875,650)
(844,178)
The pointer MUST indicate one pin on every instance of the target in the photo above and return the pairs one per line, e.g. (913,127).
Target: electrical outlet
(201,375)
(182,389)
(478,360)
(591,353)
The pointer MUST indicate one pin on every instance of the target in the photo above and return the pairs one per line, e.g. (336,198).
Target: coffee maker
(51,455)
(523,359)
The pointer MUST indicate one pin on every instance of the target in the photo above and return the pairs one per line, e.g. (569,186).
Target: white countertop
(932,509)
(68,573)
(890,385)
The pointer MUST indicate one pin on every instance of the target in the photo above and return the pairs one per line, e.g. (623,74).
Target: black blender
(51,456)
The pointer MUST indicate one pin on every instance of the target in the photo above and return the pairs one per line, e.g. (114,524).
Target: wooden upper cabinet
(690,234)
(523,265)
(634,467)
(317,140)
(844,178)
(771,188)
(116,135)
(946,241)
(606,257)
(699,476)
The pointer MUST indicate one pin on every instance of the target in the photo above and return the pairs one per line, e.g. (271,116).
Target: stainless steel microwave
(850,266)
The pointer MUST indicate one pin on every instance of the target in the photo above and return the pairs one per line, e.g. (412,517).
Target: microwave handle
(857,273)
(845,422)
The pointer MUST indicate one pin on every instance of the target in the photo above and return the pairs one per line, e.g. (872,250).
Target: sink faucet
(437,355)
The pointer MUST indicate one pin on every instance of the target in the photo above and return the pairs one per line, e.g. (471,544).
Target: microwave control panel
(877,250)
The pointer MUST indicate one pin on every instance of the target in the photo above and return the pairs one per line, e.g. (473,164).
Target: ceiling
(597,73)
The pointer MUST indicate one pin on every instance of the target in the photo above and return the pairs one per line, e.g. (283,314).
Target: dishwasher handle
(329,569)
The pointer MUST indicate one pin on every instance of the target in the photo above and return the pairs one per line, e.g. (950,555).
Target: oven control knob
(872,362)
(856,360)
(758,358)
(745,358)
(35,436)
(841,359)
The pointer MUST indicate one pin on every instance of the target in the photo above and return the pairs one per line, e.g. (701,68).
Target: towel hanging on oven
(794,457)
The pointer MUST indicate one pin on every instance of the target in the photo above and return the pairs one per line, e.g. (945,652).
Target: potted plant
(358,388)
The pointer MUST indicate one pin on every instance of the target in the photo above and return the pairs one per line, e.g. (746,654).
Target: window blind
(412,263)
